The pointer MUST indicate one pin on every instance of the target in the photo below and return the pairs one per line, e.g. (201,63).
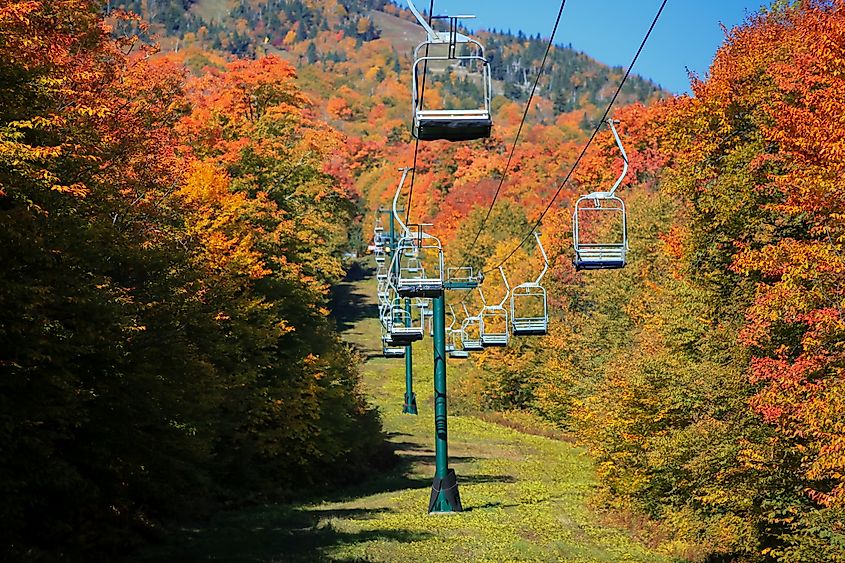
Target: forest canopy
(167,245)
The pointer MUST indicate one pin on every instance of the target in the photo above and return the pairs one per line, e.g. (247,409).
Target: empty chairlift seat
(420,258)
(379,238)
(494,327)
(529,310)
(405,329)
(394,353)
(380,255)
(456,345)
(529,303)
(471,334)
(600,224)
(454,50)
(495,332)
(390,349)
(600,233)
(452,125)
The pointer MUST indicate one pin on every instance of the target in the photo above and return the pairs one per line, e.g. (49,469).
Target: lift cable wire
(521,125)
(587,146)
(417,143)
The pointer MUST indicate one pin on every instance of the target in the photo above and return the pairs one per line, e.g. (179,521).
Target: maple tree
(706,378)
(167,243)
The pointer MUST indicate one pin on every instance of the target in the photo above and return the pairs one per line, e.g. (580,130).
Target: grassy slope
(525,497)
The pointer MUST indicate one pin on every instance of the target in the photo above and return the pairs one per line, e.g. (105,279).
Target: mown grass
(525,496)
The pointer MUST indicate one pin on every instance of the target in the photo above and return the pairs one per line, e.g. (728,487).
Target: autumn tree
(167,247)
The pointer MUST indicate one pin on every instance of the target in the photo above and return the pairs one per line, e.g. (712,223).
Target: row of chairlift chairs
(452,47)
(412,273)
(523,311)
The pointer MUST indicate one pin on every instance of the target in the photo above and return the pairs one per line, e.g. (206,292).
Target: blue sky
(611,30)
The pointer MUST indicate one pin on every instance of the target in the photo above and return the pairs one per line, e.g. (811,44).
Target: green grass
(525,497)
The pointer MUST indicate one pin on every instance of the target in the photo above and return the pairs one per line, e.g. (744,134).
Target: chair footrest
(530,331)
(598,264)
(452,129)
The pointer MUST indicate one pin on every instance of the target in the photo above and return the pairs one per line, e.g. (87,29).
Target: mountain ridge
(251,27)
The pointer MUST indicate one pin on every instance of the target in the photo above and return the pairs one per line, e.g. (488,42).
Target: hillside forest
(182,182)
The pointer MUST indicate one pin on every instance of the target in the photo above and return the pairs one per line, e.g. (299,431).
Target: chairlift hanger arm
(483,300)
(402,226)
(545,258)
(428,29)
(507,287)
(434,36)
(618,183)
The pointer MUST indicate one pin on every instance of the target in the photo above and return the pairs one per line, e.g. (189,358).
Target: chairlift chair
(380,255)
(404,329)
(428,314)
(452,337)
(385,313)
(596,210)
(420,258)
(395,353)
(494,320)
(381,273)
(381,241)
(388,342)
(454,350)
(471,332)
(462,274)
(390,349)
(384,288)
(379,237)
(383,294)
(529,303)
(459,354)
(451,124)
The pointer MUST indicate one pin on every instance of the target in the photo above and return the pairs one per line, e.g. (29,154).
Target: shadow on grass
(276,533)
(307,530)
(367,356)
(349,306)
(489,505)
